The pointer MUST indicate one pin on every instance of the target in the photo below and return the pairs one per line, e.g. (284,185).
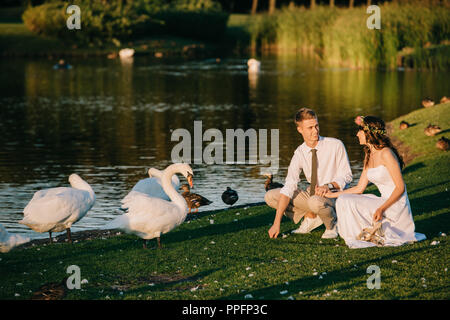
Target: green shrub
(113,21)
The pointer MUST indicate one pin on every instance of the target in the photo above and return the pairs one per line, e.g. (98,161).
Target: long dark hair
(375,132)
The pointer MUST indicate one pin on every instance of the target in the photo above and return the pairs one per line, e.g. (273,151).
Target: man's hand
(321,191)
(274,230)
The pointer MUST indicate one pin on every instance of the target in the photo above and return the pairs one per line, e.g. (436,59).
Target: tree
(254,6)
(313,4)
(331,3)
(272,5)
(351,2)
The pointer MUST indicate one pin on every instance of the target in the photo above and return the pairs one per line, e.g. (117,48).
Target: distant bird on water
(193,200)
(230,196)
(254,66)
(269,184)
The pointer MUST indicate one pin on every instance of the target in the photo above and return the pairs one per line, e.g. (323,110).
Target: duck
(193,200)
(151,186)
(404,125)
(61,65)
(57,209)
(443,144)
(432,130)
(444,99)
(427,103)
(230,196)
(126,53)
(269,184)
(254,66)
(149,217)
(8,241)
(51,291)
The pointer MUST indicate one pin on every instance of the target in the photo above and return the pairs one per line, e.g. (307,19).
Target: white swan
(126,53)
(56,209)
(149,186)
(254,66)
(150,217)
(9,241)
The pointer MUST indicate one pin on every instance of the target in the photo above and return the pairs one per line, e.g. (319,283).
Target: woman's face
(362,137)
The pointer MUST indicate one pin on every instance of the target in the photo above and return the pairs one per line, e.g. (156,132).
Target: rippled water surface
(109,121)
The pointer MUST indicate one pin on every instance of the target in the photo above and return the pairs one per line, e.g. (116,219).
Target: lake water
(110,121)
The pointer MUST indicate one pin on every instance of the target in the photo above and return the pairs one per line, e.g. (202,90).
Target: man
(325,164)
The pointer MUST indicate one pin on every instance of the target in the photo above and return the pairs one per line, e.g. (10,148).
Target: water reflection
(110,120)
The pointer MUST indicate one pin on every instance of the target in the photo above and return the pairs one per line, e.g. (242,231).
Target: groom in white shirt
(325,164)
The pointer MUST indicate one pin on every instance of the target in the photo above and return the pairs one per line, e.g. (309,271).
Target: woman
(356,211)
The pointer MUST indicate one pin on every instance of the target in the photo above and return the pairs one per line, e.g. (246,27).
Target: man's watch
(330,186)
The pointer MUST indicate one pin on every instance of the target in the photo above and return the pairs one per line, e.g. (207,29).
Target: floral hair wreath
(359,120)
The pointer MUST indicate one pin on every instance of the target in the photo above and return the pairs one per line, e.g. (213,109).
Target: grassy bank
(227,254)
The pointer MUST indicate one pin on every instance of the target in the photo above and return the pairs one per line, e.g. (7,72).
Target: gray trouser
(302,203)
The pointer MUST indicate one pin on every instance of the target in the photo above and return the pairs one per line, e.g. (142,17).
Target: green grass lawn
(228,254)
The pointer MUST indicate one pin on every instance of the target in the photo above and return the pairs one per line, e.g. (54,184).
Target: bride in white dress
(356,211)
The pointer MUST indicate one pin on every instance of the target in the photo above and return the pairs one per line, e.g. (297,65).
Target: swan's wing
(144,204)
(152,187)
(58,205)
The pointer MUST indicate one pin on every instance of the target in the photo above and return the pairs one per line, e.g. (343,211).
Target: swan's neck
(166,181)
(82,185)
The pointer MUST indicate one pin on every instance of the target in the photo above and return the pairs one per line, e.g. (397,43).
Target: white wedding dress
(355,212)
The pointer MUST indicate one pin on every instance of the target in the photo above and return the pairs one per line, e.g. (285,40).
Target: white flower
(315,274)
(237,213)
(435,243)
(17,295)
(194,289)
(394,261)
(251,275)
(211,221)
(84,281)
(283,292)
(212,242)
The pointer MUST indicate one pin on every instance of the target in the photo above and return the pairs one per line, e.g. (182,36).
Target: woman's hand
(378,214)
(332,194)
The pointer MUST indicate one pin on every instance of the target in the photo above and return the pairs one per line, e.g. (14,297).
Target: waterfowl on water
(230,196)
(151,186)
(404,125)
(8,240)
(193,200)
(269,184)
(62,64)
(149,217)
(427,102)
(56,209)
(443,144)
(126,53)
(254,66)
(432,130)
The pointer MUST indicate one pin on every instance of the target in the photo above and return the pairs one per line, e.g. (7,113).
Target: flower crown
(359,120)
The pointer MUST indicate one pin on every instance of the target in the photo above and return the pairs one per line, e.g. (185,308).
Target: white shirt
(332,165)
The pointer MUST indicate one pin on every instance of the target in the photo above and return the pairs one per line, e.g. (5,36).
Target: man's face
(309,129)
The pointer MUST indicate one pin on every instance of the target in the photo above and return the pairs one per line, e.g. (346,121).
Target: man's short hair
(304,114)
